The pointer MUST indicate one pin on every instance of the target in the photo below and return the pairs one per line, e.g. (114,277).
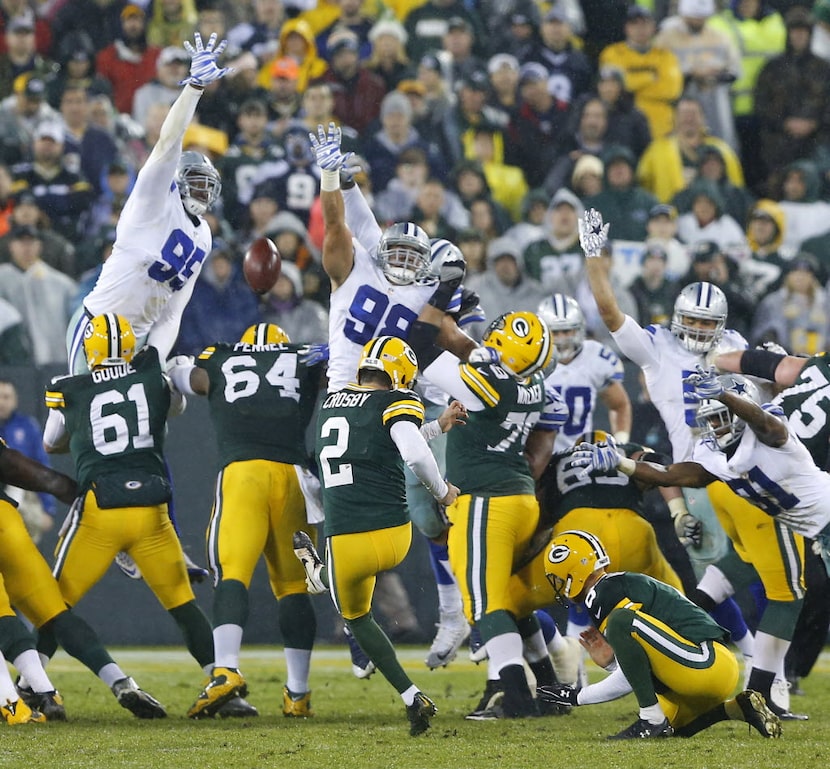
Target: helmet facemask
(702,301)
(198,182)
(404,254)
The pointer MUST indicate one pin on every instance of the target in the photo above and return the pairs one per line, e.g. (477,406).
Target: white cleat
(453,630)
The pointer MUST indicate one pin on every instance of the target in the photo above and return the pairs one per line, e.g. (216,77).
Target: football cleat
(478,651)
(453,630)
(419,713)
(493,695)
(50,704)
(137,701)
(779,693)
(643,730)
(18,712)
(195,573)
(757,714)
(237,707)
(362,666)
(567,660)
(224,685)
(312,563)
(125,562)
(296,705)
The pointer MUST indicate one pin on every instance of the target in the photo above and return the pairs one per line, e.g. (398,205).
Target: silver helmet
(719,426)
(198,181)
(404,253)
(702,301)
(566,321)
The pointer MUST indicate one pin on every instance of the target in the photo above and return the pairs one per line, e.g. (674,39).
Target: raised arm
(593,237)
(618,404)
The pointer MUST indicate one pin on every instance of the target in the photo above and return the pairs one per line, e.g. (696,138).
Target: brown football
(261,265)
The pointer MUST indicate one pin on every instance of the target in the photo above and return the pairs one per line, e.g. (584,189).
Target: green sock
(374,642)
(298,622)
(14,637)
(76,637)
(230,603)
(198,636)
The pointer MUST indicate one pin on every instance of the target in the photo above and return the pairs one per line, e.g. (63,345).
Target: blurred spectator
(172,66)
(511,25)
(707,218)
(260,35)
(531,227)
(352,18)
(556,259)
(304,320)
(100,20)
(604,22)
(388,59)
(23,433)
(7,201)
(430,207)
(757,31)
(41,294)
(96,251)
(21,56)
(587,176)
(709,60)
(318,109)
(670,164)
(438,101)
(221,308)
(627,125)
(763,269)
(396,201)
(75,66)
(56,251)
(118,183)
(474,247)
(292,239)
(662,231)
(63,195)
(797,315)
(171,22)
(14,9)
(396,135)
(457,55)
(650,72)
(652,290)
(20,114)
(427,25)
(503,69)
(792,98)
(569,68)
(710,263)
(806,214)
(622,201)
(820,43)
(506,182)
(357,92)
(469,182)
(297,41)
(15,349)
(736,200)
(488,217)
(536,133)
(284,98)
(128,62)
(505,285)
(87,148)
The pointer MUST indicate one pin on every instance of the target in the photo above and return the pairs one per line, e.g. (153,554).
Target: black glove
(450,270)
(470,310)
(558,694)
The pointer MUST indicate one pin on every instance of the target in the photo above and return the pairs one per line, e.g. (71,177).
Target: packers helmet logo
(410,355)
(559,554)
(88,331)
(520,327)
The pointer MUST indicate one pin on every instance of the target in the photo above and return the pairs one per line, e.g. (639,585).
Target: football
(261,265)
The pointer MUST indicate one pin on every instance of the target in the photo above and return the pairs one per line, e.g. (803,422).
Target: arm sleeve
(635,342)
(445,372)
(55,429)
(165,330)
(360,219)
(612,687)
(415,452)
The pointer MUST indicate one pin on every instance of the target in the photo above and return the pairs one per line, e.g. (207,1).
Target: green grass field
(362,725)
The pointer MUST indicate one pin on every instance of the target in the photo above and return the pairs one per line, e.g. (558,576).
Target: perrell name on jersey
(261,400)
(361,470)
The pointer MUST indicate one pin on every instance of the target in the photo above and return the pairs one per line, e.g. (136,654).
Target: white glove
(326,148)
(596,457)
(593,234)
(484,355)
(176,361)
(704,383)
(203,69)
(689,530)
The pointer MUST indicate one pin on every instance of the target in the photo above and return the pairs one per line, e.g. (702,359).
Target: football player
(645,632)
(365,433)
(380,281)
(667,358)
(162,237)
(115,419)
(261,399)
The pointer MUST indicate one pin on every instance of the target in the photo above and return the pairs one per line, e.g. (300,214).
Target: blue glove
(556,411)
(313,354)
(593,234)
(705,384)
(326,148)
(599,457)
(203,69)
(774,409)
(558,694)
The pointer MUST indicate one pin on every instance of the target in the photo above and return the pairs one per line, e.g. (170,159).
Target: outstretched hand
(203,69)
(454,414)
(326,147)
(704,384)
(593,234)
(596,457)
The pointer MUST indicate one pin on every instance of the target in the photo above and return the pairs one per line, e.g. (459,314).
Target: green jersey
(807,407)
(655,598)
(486,456)
(361,470)
(261,400)
(116,417)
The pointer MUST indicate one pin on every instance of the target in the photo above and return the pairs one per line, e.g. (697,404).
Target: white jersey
(158,250)
(665,363)
(578,382)
(783,482)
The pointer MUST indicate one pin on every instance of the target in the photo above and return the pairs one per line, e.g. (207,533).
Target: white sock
(408,696)
(449,598)
(653,714)
(557,642)
(746,645)
(769,652)
(575,629)
(534,647)
(227,640)
(111,673)
(28,665)
(504,650)
(298,663)
(7,691)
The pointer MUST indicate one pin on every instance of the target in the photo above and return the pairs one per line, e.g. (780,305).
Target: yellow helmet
(572,558)
(394,357)
(522,340)
(109,339)
(265,333)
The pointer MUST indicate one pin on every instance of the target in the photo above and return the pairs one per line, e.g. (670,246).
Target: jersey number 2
(338,427)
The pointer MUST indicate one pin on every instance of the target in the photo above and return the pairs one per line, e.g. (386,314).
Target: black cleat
(137,701)
(419,713)
(643,730)
(757,714)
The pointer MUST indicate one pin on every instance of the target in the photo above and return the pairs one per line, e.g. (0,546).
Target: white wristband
(622,436)
(329,181)
(627,466)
